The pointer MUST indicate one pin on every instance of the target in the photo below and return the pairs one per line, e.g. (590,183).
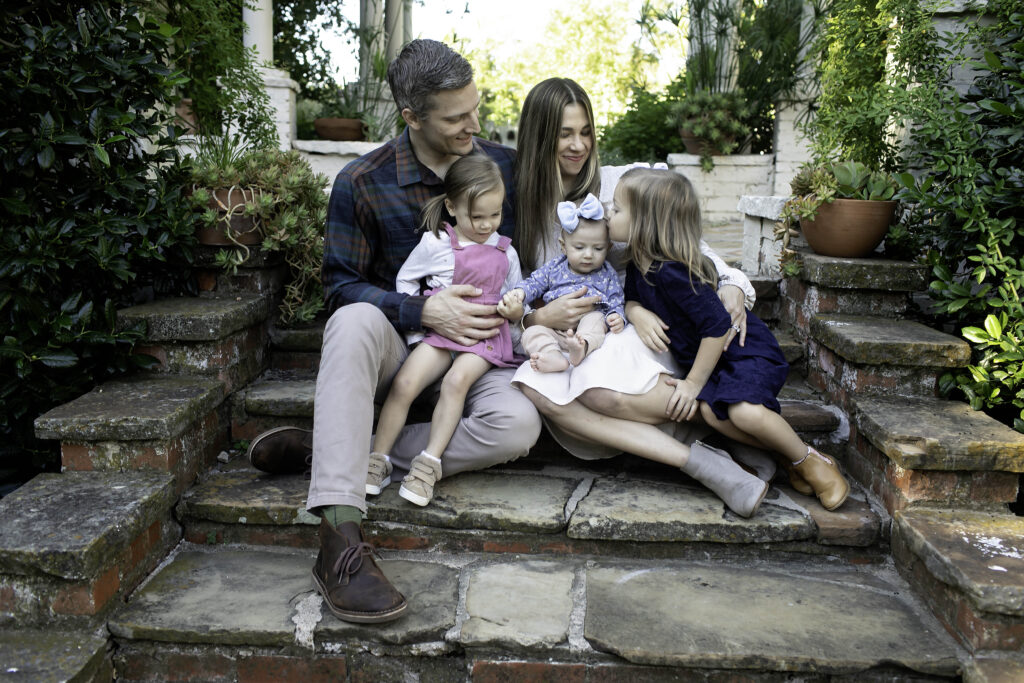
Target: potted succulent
(844,209)
(341,118)
(278,202)
(710,123)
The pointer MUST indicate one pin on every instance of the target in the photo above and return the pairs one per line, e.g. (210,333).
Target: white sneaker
(418,485)
(379,475)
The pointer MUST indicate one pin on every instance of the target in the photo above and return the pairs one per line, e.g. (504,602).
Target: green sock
(336,515)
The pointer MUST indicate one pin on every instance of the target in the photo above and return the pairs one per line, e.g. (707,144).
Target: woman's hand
(683,404)
(615,323)
(734,299)
(650,328)
(564,313)
(451,316)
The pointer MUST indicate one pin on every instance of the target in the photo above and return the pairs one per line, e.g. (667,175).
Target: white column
(280,87)
(260,29)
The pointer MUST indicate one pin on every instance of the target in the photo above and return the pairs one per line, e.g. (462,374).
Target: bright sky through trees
(515,44)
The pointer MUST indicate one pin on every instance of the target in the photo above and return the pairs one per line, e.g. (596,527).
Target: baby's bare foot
(552,361)
(577,346)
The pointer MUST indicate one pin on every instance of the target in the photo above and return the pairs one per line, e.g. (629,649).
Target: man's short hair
(422,68)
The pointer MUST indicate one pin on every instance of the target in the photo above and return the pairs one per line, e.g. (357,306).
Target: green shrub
(642,133)
(967,198)
(91,202)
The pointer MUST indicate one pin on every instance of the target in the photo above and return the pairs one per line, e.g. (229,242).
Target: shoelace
(351,559)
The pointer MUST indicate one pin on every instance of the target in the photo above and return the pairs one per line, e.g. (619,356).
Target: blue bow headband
(569,214)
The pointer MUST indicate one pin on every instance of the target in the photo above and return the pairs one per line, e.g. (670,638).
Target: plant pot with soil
(843,209)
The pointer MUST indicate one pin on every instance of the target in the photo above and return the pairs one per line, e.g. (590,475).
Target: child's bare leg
(465,370)
(588,337)
(421,369)
(542,343)
(818,470)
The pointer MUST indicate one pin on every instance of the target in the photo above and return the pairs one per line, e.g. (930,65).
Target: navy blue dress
(754,373)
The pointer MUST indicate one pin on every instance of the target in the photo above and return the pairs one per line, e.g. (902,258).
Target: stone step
(221,336)
(71,544)
(912,451)
(147,422)
(251,614)
(49,655)
(851,355)
(279,399)
(550,502)
(969,565)
(851,286)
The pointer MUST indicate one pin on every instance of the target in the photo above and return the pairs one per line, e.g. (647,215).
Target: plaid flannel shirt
(373,223)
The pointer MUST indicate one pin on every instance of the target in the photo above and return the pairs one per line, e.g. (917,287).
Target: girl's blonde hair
(469,177)
(664,223)
(538,178)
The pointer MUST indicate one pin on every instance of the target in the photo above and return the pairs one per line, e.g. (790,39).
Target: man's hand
(564,313)
(615,323)
(451,316)
(733,299)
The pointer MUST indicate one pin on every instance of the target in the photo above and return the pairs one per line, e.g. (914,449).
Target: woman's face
(575,140)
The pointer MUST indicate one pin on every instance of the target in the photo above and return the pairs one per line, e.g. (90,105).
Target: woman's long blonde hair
(664,223)
(538,179)
(470,176)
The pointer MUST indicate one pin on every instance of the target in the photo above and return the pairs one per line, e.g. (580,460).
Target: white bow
(569,214)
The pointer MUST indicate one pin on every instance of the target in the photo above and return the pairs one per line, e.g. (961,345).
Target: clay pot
(335,128)
(244,228)
(696,145)
(848,228)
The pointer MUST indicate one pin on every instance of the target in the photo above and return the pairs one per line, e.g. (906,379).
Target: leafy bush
(91,201)
(967,200)
(642,133)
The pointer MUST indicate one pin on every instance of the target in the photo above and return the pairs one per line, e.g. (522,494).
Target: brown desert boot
(349,579)
(284,450)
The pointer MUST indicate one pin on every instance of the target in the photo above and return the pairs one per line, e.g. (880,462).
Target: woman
(557,160)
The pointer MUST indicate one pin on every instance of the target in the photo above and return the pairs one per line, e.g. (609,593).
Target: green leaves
(91,199)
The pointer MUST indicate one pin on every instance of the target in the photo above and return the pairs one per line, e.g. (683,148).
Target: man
(372,225)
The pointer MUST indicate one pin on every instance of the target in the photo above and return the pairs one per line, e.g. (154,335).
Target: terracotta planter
(848,228)
(334,128)
(245,230)
(696,145)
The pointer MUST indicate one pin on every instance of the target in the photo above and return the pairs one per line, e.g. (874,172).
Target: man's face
(451,123)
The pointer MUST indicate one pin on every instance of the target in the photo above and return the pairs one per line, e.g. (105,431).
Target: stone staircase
(159,554)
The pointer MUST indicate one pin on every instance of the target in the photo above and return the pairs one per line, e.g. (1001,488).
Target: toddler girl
(467,251)
(657,213)
(584,243)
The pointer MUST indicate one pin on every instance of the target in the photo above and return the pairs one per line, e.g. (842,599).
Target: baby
(584,243)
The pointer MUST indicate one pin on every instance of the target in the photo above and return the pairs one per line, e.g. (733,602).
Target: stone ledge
(49,655)
(204,318)
(933,434)
(566,613)
(73,525)
(864,273)
(884,341)
(979,554)
(134,409)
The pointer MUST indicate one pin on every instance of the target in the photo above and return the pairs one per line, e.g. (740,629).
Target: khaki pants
(361,354)
(539,339)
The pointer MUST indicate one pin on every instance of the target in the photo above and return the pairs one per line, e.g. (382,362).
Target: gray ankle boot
(741,492)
